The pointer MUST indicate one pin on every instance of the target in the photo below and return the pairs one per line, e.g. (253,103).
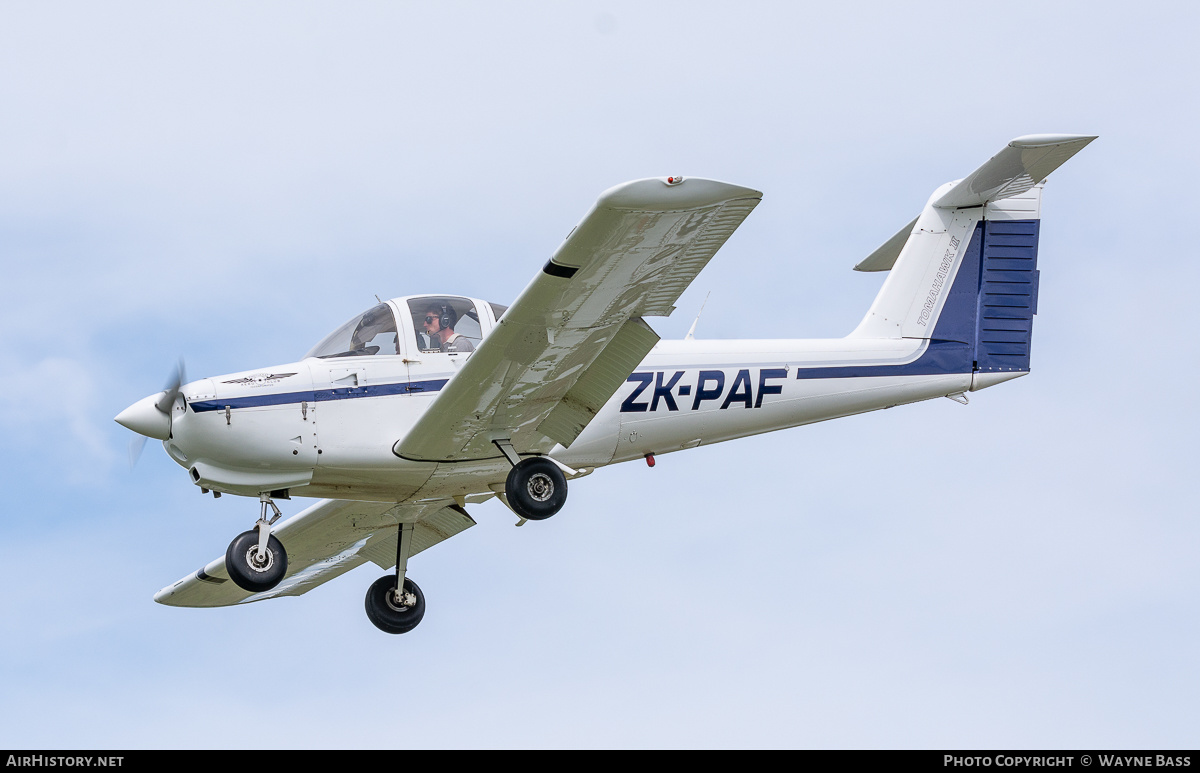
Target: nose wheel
(256,560)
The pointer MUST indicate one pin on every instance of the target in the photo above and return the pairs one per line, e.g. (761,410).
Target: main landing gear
(393,612)
(256,560)
(535,487)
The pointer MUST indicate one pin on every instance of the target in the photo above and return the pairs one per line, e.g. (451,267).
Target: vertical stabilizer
(966,271)
(911,299)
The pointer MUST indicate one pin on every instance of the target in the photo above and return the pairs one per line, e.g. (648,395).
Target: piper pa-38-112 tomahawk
(423,405)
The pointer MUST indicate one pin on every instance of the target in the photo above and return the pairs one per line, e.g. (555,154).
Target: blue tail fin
(1008,291)
(964,274)
(989,308)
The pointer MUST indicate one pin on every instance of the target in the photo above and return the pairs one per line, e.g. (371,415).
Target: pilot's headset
(447,318)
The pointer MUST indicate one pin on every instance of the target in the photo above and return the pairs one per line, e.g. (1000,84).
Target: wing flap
(599,382)
(437,527)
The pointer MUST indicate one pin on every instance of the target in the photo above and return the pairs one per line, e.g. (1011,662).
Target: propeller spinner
(150,417)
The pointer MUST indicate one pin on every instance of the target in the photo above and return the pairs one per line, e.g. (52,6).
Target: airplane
(423,405)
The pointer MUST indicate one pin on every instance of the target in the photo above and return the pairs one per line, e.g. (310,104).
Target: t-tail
(963,274)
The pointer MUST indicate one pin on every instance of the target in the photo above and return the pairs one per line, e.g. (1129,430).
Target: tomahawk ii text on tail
(424,405)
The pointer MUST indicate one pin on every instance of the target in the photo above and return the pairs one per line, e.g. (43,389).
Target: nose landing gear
(256,560)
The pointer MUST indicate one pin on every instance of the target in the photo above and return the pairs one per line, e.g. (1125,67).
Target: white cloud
(50,411)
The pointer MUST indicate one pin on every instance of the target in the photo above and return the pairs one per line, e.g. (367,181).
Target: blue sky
(228,182)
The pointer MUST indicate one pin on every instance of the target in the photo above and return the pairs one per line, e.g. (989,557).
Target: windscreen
(373,332)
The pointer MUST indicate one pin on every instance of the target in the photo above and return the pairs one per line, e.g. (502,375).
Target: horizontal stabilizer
(884,258)
(1023,164)
(1026,162)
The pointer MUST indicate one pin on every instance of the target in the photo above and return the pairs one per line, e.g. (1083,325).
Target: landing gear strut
(256,560)
(393,612)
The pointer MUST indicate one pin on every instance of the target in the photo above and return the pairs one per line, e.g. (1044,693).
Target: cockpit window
(371,333)
(445,324)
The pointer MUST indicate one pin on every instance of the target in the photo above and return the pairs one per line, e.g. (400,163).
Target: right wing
(325,541)
(576,332)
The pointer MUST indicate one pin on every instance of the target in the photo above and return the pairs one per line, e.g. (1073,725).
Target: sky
(227,182)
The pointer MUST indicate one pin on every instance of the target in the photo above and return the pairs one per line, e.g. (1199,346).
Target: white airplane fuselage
(326,427)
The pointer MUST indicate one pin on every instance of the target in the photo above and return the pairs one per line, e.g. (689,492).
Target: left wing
(325,541)
(575,333)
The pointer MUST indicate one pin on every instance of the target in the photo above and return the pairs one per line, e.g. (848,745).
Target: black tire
(245,572)
(385,613)
(536,488)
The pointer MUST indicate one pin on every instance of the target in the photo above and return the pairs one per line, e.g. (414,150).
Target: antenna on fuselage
(377,297)
(691,333)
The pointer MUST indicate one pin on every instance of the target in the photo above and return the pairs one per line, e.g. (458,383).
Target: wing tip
(663,193)
(1047,140)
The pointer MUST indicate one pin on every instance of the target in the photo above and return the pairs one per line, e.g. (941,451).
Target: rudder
(1008,291)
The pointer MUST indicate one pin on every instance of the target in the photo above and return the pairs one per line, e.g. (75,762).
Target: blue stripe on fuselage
(321,395)
(952,344)
(951,350)
(940,358)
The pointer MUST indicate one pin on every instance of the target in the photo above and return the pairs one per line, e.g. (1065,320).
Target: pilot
(440,319)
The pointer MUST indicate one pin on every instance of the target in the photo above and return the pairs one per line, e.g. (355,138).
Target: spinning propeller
(150,417)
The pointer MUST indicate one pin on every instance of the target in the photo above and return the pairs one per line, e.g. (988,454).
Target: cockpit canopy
(440,323)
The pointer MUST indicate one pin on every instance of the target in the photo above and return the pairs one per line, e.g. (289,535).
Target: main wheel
(391,614)
(536,488)
(250,571)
